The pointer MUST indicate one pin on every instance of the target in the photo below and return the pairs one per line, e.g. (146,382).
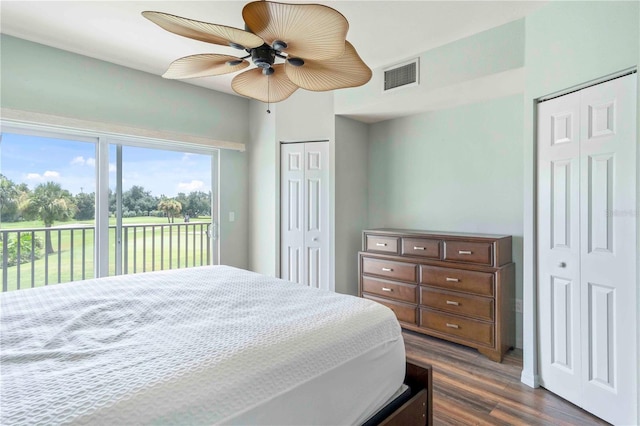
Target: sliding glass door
(47,208)
(75,206)
(163,208)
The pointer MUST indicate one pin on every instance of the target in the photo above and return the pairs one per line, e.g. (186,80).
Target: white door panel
(587,248)
(292,194)
(559,244)
(608,249)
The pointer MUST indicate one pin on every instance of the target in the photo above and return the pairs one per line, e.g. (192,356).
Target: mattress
(195,346)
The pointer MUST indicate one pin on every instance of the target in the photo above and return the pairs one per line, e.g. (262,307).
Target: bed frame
(417,407)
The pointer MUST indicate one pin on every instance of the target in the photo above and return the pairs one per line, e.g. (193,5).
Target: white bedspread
(190,346)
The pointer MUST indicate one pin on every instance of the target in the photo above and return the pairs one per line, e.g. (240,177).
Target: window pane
(166,210)
(47,210)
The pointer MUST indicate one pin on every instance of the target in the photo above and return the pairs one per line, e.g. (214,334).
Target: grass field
(148,243)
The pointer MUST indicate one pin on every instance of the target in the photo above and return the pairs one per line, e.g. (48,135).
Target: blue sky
(35,160)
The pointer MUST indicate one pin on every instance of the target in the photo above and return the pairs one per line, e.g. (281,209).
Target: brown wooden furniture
(455,286)
(418,409)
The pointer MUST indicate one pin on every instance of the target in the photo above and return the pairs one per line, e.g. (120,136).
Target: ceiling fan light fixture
(237,46)
(268,71)
(279,45)
(235,62)
(296,62)
(263,56)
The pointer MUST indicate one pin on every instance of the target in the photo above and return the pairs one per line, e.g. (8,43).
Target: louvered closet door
(305,213)
(587,248)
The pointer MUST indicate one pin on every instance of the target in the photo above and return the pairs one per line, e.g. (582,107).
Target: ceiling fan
(309,39)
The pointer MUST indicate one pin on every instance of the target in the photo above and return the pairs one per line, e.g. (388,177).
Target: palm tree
(49,202)
(170,207)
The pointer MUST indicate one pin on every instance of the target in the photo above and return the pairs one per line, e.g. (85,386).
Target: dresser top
(396,231)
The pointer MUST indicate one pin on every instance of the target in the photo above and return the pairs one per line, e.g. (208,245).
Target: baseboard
(531,380)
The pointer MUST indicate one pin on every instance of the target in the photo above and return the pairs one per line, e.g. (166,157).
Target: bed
(206,345)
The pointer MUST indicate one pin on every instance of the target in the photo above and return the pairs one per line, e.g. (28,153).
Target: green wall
(42,79)
(352,195)
(452,170)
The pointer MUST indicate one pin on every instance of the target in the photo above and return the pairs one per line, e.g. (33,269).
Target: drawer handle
(418,248)
(386,289)
(465,252)
(381,244)
(453,325)
(387,269)
(451,302)
(452,280)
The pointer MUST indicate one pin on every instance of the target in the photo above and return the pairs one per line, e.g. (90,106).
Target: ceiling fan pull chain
(268,94)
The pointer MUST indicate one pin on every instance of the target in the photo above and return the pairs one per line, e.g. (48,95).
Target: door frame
(530,336)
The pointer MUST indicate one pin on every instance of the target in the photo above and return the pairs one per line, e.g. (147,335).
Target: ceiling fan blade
(204,65)
(346,71)
(311,31)
(204,31)
(254,84)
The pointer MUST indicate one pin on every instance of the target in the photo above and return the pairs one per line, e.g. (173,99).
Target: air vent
(401,75)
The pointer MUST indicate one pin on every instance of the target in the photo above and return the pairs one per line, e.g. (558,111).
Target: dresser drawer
(397,291)
(457,303)
(382,244)
(404,313)
(421,247)
(457,279)
(470,252)
(463,328)
(390,269)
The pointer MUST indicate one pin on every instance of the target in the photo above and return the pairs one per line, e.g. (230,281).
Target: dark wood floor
(469,389)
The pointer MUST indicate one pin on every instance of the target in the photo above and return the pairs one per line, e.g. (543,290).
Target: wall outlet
(519,305)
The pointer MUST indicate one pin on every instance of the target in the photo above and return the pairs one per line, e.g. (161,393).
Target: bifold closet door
(304,195)
(587,248)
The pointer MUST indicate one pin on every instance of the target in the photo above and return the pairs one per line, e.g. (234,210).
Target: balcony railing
(145,247)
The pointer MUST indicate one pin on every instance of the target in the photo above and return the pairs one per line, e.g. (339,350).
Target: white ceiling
(383,32)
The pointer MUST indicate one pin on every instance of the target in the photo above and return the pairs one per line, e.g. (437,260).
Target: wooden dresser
(458,287)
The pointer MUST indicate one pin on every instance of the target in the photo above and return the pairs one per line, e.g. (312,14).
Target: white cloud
(78,160)
(51,174)
(194,185)
(34,176)
(112,168)
(81,161)
(187,156)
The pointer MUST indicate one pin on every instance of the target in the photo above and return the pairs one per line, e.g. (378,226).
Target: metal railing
(144,247)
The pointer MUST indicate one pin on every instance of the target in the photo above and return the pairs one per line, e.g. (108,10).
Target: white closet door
(587,248)
(305,213)
(608,250)
(559,245)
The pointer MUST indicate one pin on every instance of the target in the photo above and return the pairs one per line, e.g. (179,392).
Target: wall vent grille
(401,75)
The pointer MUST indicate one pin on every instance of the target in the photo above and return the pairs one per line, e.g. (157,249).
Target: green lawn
(145,248)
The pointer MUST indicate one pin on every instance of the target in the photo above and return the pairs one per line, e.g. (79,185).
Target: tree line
(50,202)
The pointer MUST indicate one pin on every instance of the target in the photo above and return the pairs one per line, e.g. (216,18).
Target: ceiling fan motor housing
(263,56)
